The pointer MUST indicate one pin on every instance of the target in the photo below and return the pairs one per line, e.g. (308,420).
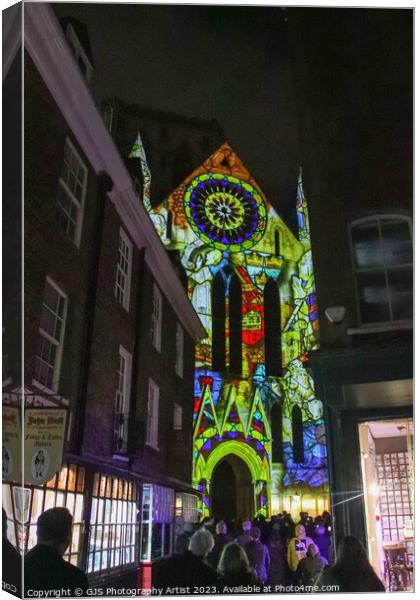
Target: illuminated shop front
(251,281)
(386,456)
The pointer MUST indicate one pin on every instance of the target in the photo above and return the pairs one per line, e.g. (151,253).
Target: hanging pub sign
(12,444)
(45,434)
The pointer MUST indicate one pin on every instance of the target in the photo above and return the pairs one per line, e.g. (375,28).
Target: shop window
(158,514)
(24,505)
(156,326)
(383,268)
(297,434)
(113,532)
(123,276)
(122,401)
(272,333)
(71,193)
(50,337)
(219,322)
(235,325)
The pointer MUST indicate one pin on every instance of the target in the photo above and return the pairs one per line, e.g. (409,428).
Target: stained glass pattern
(222,223)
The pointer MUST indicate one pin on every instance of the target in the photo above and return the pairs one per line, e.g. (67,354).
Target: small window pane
(373,295)
(396,240)
(367,246)
(401,292)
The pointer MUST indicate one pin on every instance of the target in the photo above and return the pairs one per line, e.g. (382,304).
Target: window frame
(79,52)
(156,319)
(126,395)
(125,291)
(390,323)
(59,346)
(152,424)
(178,419)
(80,204)
(112,496)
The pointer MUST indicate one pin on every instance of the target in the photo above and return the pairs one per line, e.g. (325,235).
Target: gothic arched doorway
(231,490)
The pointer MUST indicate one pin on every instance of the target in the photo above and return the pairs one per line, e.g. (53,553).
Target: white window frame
(122,292)
(179,350)
(156,318)
(152,428)
(377,325)
(178,417)
(58,343)
(80,204)
(79,52)
(122,394)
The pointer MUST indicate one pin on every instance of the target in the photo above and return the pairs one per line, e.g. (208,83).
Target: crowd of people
(225,557)
(212,557)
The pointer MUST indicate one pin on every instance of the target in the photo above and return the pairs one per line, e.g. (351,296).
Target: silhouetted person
(310,567)
(220,540)
(258,556)
(322,539)
(234,569)
(12,562)
(352,571)
(183,539)
(188,569)
(45,568)
(277,549)
(245,537)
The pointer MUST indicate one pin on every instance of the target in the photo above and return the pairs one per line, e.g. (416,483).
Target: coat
(309,569)
(259,559)
(46,570)
(182,570)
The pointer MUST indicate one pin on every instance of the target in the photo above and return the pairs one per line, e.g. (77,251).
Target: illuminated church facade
(251,281)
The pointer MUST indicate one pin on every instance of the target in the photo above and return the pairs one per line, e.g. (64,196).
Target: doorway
(387,472)
(231,490)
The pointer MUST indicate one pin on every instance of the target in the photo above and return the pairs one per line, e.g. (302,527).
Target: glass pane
(401,292)
(373,297)
(367,249)
(396,242)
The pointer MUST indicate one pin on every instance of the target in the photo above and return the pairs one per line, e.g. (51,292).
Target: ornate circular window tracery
(225,212)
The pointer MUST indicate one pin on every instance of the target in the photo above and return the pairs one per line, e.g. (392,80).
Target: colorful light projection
(223,225)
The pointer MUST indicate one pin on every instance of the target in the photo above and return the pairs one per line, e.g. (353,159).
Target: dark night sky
(231,64)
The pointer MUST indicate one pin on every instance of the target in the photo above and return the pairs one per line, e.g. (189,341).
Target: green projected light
(232,241)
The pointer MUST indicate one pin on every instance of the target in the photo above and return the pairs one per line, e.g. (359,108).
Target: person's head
(246,526)
(300,531)
(221,527)
(201,542)
(312,550)
(233,560)
(255,533)
(320,529)
(351,552)
(54,528)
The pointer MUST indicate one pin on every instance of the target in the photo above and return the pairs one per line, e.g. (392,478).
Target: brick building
(108,334)
(356,144)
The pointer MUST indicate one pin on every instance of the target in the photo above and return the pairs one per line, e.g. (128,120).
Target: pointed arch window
(277,434)
(272,334)
(297,434)
(219,320)
(235,325)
